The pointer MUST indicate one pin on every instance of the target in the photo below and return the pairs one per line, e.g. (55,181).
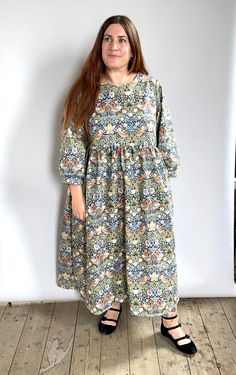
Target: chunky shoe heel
(189,348)
(108,328)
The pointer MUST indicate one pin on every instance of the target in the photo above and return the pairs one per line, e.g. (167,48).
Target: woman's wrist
(76,189)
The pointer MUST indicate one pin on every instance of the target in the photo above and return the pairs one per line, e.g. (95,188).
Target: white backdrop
(190,47)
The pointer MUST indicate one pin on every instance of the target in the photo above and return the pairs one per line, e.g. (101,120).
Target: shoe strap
(169,317)
(113,308)
(112,320)
(181,338)
(169,328)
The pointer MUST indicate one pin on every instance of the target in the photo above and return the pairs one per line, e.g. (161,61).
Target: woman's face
(116,50)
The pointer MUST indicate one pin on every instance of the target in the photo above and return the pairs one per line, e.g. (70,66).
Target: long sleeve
(72,159)
(166,140)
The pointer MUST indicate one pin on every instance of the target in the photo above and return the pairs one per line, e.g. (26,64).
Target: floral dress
(125,248)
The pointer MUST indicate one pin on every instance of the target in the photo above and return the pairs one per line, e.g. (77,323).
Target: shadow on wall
(32,175)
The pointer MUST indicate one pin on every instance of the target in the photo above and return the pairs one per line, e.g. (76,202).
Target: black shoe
(108,328)
(188,348)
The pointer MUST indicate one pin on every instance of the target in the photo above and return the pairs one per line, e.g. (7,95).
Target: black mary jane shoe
(189,348)
(108,328)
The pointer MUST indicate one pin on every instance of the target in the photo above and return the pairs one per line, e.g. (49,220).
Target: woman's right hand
(78,202)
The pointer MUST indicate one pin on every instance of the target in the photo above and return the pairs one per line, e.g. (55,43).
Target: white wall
(190,47)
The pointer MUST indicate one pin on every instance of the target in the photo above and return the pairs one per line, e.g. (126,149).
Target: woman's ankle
(170,314)
(116,305)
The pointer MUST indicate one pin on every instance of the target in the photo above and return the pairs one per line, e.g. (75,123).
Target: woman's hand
(78,202)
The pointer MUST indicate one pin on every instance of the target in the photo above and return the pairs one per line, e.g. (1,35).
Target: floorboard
(62,338)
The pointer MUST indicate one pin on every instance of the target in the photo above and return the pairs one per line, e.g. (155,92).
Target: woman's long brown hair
(81,100)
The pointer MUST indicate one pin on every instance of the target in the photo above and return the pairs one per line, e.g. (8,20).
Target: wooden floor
(63,338)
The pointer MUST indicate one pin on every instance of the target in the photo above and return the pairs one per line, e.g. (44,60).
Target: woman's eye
(108,39)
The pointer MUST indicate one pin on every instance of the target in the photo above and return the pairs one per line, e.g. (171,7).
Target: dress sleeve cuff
(75,180)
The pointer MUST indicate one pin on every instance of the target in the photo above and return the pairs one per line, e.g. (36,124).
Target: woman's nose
(114,45)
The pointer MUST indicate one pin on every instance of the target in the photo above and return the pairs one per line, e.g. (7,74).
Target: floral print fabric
(125,249)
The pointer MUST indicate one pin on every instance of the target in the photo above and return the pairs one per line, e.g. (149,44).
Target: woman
(118,152)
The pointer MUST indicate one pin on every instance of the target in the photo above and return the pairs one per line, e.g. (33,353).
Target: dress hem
(123,300)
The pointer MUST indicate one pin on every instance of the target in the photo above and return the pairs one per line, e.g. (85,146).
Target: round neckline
(123,84)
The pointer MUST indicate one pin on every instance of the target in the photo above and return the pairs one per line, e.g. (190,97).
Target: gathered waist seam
(122,147)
